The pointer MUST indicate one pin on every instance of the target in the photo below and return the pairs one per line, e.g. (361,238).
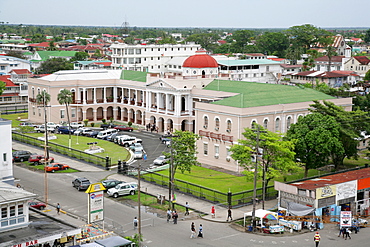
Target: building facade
(6,163)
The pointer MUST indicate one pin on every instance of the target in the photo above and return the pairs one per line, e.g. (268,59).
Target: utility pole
(46,152)
(139,207)
(255,181)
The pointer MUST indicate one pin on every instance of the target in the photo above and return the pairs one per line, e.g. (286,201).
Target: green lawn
(15,118)
(112,150)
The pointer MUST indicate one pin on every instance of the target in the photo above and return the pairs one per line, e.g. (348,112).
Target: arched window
(265,123)
(33,93)
(205,122)
(277,124)
(228,125)
(288,122)
(253,125)
(217,124)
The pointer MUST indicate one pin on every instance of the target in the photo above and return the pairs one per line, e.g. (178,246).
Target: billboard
(346,190)
(345,218)
(96,206)
(326,191)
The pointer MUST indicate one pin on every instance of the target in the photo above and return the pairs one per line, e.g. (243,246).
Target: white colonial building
(6,163)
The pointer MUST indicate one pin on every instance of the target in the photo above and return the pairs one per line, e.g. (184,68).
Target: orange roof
(21,71)
(200,60)
(42,44)
(8,82)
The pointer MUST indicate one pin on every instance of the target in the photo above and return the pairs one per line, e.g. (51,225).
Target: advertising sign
(346,190)
(345,218)
(326,191)
(96,206)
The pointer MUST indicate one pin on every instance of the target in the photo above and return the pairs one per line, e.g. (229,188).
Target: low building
(8,64)
(333,79)
(6,163)
(358,64)
(348,191)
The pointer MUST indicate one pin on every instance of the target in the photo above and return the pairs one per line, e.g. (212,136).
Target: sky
(188,13)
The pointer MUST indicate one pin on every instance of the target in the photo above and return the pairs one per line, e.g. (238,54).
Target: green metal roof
(45,55)
(252,94)
(246,62)
(132,75)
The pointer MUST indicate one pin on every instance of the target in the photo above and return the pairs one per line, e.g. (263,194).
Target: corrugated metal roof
(246,62)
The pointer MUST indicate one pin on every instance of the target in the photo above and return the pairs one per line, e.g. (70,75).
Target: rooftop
(246,62)
(132,75)
(252,94)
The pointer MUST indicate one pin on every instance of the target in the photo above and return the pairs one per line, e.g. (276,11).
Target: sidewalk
(195,204)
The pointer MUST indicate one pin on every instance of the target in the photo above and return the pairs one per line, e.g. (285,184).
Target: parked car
(126,140)
(124,128)
(65,130)
(138,154)
(56,167)
(76,125)
(36,159)
(37,205)
(21,155)
(27,124)
(122,189)
(41,129)
(136,146)
(82,131)
(107,126)
(111,183)
(81,183)
(161,160)
(93,133)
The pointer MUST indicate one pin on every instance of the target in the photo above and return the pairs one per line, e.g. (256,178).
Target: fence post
(107,163)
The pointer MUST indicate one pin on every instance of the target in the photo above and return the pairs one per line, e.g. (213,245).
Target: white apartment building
(6,165)
(8,63)
(148,58)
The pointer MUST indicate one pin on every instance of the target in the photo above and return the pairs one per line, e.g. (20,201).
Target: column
(95,115)
(157,101)
(105,95)
(83,117)
(114,95)
(177,105)
(94,95)
(167,103)
(115,113)
(84,96)
(148,100)
(105,114)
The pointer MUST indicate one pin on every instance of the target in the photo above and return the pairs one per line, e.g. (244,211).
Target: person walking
(317,238)
(174,217)
(213,212)
(169,215)
(200,233)
(58,208)
(186,208)
(135,222)
(341,232)
(229,214)
(192,229)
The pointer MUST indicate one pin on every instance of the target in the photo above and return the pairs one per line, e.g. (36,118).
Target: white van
(105,133)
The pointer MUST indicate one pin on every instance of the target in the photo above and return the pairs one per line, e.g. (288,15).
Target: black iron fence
(73,153)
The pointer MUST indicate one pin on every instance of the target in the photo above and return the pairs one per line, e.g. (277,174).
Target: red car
(38,159)
(56,167)
(124,128)
(37,205)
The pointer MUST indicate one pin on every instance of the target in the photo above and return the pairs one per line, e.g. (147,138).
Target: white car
(52,125)
(136,146)
(82,131)
(138,154)
(41,128)
(123,189)
(76,125)
(161,160)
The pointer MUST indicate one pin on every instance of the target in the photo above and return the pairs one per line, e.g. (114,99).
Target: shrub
(104,121)
(111,119)
(86,121)
(129,124)
(92,124)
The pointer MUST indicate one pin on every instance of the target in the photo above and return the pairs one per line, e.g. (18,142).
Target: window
(217,151)
(228,125)
(20,209)
(4,157)
(130,51)
(228,152)
(73,112)
(205,148)
(2,67)
(4,213)
(12,211)
(62,115)
(267,68)
(138,51)
(265,123)
(253,125)
(277,124)
(33,93)
(205,122)
(39,112)
(288,122)
(217,124)
(33,111)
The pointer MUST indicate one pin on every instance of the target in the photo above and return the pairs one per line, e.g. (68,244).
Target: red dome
(200,61)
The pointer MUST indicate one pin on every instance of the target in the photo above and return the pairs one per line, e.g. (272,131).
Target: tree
(242,38)
(316,137)
(54,64)
(207,41)
(65,98)
(182,155)
(52,46)
(17,54)
(273,43)
(2,87)
(367,36)
(97,53)
(352,124)
(38,38)
(43,99)
(80,56)
(310,62)
(367,76)
(275,155)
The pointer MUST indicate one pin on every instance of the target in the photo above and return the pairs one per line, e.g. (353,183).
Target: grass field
(15,118)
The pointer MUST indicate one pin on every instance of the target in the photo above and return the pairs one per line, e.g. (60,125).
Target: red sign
(29,243)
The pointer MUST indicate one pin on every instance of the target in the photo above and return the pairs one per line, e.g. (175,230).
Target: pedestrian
(58,208)
(317,238)
(135,222)
(169,215)
(213,212)
(192,229)
(200,234)
(174,217)
(341,232)
(348,232)
(186,208)
(229,214)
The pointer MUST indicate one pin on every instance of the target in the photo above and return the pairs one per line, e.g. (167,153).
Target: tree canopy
(273,43)
(2,87)
(53,65)
(316,138)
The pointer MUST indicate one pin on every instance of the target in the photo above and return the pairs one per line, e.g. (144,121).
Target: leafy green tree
(352,124)
(52,46)
(242,38)
(310,62)
(367,76)
(316,138)
(54,64)
(65,98)
(38,38)
(273,43)
(80,56)
(367,36)
(2,87)
(97,53)
(275,158)
(17,54)
(206,40)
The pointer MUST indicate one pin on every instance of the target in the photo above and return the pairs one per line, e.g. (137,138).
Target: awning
(299,209)
(115,241)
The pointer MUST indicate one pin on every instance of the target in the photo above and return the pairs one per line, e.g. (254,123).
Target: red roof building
(200,60)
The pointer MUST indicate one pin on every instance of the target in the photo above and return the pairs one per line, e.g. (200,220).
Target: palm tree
(330,52)
(43,99)
(65,98)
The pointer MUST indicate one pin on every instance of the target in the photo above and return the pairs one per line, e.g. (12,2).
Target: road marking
(273,242)
(216,239)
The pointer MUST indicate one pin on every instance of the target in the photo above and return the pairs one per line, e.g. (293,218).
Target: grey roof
(9,193)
